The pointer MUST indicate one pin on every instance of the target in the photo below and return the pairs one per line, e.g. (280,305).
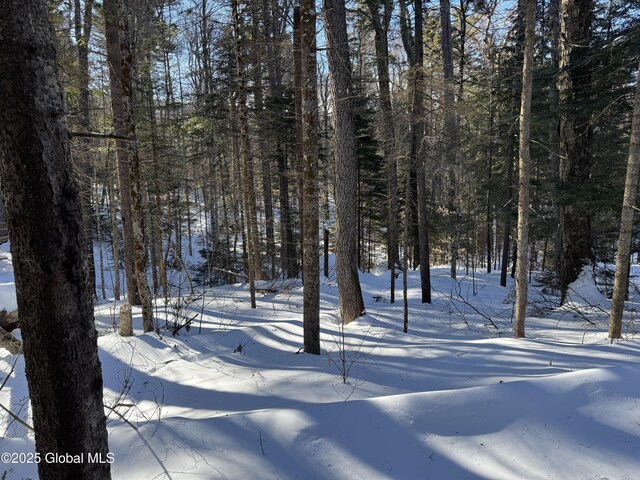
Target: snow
(455,398)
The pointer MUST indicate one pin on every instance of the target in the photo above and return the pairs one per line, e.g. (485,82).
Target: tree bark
(248,186)
(418,156)
(381,22)
(83,24)
(45,226)
(524,172)
(575,137)
(621,281)
(346,162)
(310,208)
(129,175)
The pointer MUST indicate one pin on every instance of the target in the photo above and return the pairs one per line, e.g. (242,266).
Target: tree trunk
(129,175)
(251,217)
(381,24)
(621,282)
(310,208)
(83,25)
(418,156)
(298,76)
(346,167)
(575,137)
(45,227)
(525,166)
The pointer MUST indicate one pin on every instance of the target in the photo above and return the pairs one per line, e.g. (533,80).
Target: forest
(299,239)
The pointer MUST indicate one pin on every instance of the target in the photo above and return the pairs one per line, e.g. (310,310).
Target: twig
(261,447)
(121,416)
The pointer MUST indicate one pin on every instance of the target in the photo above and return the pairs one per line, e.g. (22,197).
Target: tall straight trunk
(575,136)
(554,159)
(524,172)
(43,213)
(265,164)
(297,96)
(310,208)
(346,161)
(418,156)
(115,242)
(511,146)
(253,242)
(83,22)
(129,175)
(381,22)
(621,282)
(450,124)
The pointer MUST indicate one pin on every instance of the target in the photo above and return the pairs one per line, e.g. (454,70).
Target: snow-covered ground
(455,398)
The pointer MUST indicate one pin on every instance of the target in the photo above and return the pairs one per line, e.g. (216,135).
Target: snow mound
(584,291)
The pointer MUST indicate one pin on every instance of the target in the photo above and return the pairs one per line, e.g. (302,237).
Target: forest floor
(455,398)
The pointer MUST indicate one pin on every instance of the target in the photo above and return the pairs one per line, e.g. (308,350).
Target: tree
(83,24)
(45,226)
(576,133)
(522,263)
(418,156)
(346,169)
(310,207)
(121,72)
(254,269)
(381,22)
(621,281)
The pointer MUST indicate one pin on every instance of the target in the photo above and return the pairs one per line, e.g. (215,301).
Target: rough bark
(575,137)
(450,124)
(621,281)
(346,161)
(248,186)
(311,240)
(45,226)
(129,175)
(297,97)
(381,22)
(524,172)
(83,22)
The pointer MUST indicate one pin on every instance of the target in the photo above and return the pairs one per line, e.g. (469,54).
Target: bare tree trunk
(575,135)
(311,265)
(525,165)
(120,61)
(45,227)
(297,93)
(83,22)
(381,24)
(450,136)
(253,243)
(621,282)
(418,157)
(350,293)
(554,159)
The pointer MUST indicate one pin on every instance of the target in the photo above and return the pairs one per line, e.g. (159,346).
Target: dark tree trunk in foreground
(575,137)
(350,293)
(310,208)
(522,263)
(45,226)
(621,282)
